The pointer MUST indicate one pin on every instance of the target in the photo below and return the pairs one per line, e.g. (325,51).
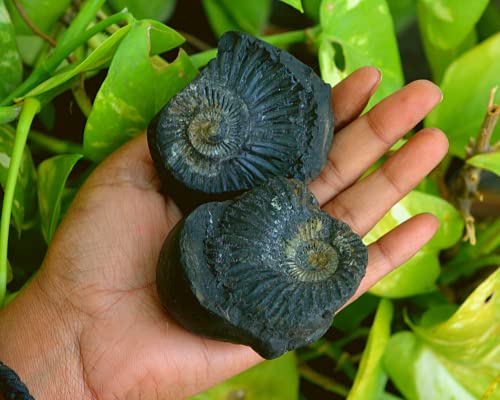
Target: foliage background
(429,330)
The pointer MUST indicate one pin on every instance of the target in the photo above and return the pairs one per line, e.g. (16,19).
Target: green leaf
(326,57)
(276,379)
(98,59)
(418,373)
(419,274)
(24,203)
(9,114)
(311,9)
(342,22)
(30,48)
(466,87)
(351,317)
(297,4)
(371,378)
(11,68)
(490,162)
(403,13)
(446,23)
(43,13)
(136,88)
(489,24)
(237,15)
(160,10)
(437,362)
(439,59)
(52,176)
(471,334)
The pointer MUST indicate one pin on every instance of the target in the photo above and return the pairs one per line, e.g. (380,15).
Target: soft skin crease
(90,325)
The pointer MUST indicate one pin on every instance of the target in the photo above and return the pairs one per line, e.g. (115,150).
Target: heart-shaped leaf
(454,359)
(98,59)
(375,46)
(276,379)
(52,176)
(466,88)
(160,10)
(490,162)
(237,15)
(446,23)
(297,4)
(24,203)
(419,274)
(136,88)
(11,68)
(371,378)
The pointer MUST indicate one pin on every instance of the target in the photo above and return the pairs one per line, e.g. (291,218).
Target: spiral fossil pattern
(254,112)
(268,269)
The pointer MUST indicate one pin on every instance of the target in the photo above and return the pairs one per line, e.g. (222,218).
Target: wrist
(39,341)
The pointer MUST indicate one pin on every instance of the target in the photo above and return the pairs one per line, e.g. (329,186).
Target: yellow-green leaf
(11,68)
(136,87)
(466,88)
(276,379)
(52,176)
(419,274)
(371,379)
(346,23)
(490,162)
(297,4)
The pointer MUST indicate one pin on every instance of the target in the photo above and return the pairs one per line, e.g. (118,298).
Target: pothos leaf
(297,4)
(136,88)
(438,361)
(24,203)
(466,87)
(239,15)
(419,274)
(98,59)
(371,378)
(52,176)
(276,379)
(161,10)
(43,13)
(11,69)
(490,162)
(341,21)
(446,23)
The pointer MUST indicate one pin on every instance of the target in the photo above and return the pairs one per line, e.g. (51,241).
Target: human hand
(90,325)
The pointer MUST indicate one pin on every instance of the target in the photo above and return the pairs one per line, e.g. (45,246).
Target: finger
(364,141)
(395,248)
(362,205)
(351,96)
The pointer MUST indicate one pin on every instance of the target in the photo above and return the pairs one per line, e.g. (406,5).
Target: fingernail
(440,91)
(377,82)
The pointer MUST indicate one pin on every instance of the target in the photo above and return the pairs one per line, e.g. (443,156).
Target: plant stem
(194,41)
(54,145)
(32,25)
(468,180)
(467,268)
(30,108)
(81,97)
(70,40)
(323,381)
(280,39)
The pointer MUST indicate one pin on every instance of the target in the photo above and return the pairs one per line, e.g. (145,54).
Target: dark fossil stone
(267,269)
(254,112)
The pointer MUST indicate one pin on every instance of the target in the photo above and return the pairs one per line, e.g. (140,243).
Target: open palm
(99,273)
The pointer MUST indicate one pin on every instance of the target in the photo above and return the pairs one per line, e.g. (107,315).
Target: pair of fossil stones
(255,261)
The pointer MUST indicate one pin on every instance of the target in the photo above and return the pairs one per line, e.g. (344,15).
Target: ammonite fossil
(267,269)
(254,112)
